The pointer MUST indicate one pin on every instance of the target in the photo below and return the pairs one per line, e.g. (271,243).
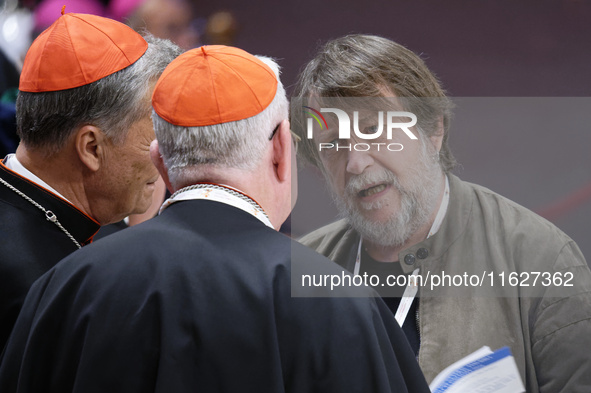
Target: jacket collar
(452,228)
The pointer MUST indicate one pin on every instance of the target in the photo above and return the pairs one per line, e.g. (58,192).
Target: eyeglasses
(294,136)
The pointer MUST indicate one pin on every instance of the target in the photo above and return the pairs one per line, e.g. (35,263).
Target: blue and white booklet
(483,371)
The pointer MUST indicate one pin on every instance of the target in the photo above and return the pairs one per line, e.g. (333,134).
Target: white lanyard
(407,297)
(220,193)
(412,288)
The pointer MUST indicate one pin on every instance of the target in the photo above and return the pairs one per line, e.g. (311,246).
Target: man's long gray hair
(366,66)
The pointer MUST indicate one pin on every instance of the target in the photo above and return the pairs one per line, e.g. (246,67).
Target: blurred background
(520,72)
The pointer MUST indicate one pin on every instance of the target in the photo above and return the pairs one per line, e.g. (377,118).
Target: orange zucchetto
(78,49)
(212,85)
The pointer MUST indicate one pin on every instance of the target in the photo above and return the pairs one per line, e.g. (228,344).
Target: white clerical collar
(14,164)
(220,193)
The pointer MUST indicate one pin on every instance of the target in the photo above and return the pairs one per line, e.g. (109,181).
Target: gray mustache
(360,182)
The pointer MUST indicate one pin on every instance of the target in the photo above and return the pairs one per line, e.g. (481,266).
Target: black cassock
(198,299)
(30,245)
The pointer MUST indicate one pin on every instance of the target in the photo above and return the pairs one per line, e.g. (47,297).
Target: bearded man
(405,212)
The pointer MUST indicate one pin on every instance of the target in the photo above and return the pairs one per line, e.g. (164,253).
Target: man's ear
(159,164)
(437,137)
(89,143)
(282,152)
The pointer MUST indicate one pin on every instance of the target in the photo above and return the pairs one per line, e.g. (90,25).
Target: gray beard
(418,201)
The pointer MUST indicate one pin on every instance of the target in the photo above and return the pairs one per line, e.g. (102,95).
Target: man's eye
(332,138)
(371,130)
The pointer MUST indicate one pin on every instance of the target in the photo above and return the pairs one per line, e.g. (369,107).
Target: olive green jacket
(547,326)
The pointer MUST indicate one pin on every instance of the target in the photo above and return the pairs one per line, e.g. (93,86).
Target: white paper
(483,371)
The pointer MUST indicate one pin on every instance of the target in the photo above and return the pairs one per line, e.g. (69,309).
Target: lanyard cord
(409,292)
(411,289)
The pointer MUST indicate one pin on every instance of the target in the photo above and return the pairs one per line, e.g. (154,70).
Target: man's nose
(358,161)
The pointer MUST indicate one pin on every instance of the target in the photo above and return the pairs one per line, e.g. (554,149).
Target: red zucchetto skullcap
(212,85)
(78,49)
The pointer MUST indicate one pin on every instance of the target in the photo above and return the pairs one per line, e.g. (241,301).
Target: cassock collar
(220,193)
(81,226)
